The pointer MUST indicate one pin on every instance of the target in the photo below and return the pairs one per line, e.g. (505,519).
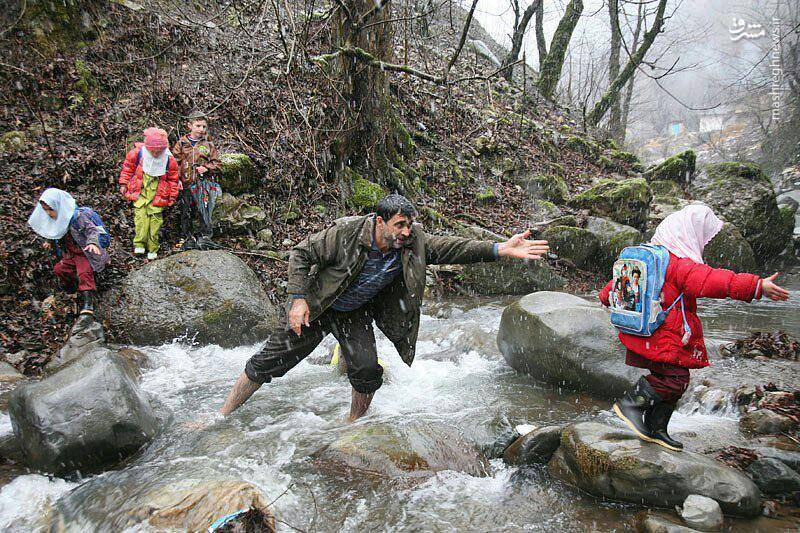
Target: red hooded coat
(694,280)
(169,184)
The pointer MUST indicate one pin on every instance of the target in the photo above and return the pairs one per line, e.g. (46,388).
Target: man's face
(395,231)
(635,276)
(198,129)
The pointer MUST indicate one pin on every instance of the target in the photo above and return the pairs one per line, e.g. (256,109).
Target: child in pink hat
(149,179)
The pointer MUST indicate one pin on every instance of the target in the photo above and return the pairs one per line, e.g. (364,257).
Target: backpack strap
(687,331)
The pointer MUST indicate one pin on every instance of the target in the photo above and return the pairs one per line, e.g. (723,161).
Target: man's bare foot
(359,404)
(241,391)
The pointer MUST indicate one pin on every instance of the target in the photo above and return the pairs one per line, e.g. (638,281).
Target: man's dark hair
(395,204)
(636,271)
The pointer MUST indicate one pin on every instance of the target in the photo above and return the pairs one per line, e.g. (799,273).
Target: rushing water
(459,380)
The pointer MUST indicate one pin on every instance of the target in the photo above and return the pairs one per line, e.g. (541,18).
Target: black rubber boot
(657,419)
(88,303)
(205,243)
(631,408)
(189,244)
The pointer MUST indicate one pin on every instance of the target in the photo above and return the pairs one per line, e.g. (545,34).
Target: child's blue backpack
(635,297)
(104,237)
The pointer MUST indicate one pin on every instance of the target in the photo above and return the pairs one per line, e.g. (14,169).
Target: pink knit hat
(155,139)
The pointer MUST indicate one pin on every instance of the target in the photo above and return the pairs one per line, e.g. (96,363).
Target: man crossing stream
(363,269)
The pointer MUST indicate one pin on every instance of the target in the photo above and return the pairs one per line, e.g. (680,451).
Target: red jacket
(131,177)
(694,280)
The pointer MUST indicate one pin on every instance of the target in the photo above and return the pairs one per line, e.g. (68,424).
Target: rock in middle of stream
(612,463)
(565,340)
(85,417)
(393,451)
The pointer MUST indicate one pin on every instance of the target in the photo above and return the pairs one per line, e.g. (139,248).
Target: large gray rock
(765,422)
(84,418)
(170,497)
(394,451)
(506,276)
(743,195)
(612,237)
(612,463)
(729,249)
(236,173)
(567,341)
(234,215)
(626,201)
(651,522)
(212,297)
(576,244)
(788,457)
(701,512)
(773,477)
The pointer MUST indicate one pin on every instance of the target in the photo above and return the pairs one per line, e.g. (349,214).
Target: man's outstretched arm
(241,391)
(457,250)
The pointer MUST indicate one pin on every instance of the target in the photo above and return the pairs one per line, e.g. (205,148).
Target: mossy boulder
(679,168)
(612,237)
(742,194)
(236,216)
(366,194)
(212,297)
(586,147)
(544,212)
(611,463)
(665,188)
(576,244)
(236,173)
(729,249)
(506,276)
(12,142)
(549,187)
(626,201)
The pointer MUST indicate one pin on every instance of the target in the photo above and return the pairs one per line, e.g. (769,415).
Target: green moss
(786,216)
(557,168)
(679,167)
(366,194)
(86,79)
(577,244)
(665,188)
(486,196)
(608,164)
(550,187)
(720,172)
(626,201)
(625,157)
(611,144)
(236,173)
(579,144)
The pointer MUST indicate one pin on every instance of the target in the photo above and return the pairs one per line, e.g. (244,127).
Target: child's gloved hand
(123,189)
(773,291)
(47,245)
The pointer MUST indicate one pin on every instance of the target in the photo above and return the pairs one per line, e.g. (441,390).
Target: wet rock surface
(86,335)
(565,340)
(612,463)
(149,498)
(773,477)
(576,244)
(654,522)
(212,297)
(612,237)
(86,417)
(415,451)
(729,249)
(536,447)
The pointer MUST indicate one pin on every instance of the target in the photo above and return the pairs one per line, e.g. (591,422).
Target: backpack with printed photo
(635,298)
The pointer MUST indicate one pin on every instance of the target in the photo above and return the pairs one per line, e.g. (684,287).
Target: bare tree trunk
(541,42)
(626,105)
(601,107)
(615,118)
(551,68)
(520,27)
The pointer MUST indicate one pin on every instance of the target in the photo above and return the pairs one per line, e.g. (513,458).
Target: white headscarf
(63,204)
(686,232)
(152,165)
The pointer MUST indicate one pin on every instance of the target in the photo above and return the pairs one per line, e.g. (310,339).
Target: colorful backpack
(104,237)
(635,297)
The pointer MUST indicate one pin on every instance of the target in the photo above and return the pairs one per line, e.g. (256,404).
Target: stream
(458,381)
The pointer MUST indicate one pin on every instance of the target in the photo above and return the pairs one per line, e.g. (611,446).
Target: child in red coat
(671,351)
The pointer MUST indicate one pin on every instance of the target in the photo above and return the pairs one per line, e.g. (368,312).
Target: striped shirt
(379,271)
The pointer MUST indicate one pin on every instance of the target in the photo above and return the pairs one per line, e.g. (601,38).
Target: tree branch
(467,24)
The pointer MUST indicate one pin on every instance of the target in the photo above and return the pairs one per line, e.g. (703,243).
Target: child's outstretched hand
(773,291)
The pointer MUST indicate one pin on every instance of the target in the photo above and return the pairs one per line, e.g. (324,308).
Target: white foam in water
(5,424)
(26,496)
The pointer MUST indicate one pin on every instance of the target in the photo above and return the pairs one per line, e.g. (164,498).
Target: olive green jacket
(324,264)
